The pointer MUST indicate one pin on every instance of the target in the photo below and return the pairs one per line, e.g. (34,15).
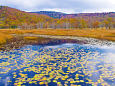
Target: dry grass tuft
(4,38)
(5,34)
(30,38)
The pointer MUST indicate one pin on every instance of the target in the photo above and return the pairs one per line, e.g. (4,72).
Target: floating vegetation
(63,65)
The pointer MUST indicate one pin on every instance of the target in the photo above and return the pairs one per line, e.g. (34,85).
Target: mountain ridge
(59,15)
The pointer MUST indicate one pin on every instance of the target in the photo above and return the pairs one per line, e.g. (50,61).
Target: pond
(59,63)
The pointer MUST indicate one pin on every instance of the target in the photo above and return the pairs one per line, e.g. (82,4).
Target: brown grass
(4,37)
(30,38)
(5,34)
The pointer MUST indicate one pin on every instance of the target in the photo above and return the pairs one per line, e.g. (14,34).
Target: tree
(2,17)
(83,23)
(73,23)
(96,24)
(108,23)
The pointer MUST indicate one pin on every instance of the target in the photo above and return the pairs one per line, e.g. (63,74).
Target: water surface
(63,64)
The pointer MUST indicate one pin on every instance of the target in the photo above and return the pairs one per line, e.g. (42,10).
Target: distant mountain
(107,14)
(52,14)
(64,15)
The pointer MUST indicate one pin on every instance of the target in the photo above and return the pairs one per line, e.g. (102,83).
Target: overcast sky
(66,6)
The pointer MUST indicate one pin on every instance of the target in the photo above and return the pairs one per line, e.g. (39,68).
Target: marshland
(48,57)
(51,48)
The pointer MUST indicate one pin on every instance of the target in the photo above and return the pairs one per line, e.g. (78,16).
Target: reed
(6,34)
(4,37)
(31,38)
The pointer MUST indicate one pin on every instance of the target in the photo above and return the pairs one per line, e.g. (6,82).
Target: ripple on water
(65,64)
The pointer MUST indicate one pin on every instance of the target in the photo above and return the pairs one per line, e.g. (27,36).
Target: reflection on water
(67,64)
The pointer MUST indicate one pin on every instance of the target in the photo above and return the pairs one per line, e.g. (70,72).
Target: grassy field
(6,34)
(4,37)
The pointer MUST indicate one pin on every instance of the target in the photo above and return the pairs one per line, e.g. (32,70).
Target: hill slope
(14,17)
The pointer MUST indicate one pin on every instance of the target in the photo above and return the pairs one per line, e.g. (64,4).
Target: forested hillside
(13,18)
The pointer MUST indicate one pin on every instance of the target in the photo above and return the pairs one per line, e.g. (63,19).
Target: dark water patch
(19,41)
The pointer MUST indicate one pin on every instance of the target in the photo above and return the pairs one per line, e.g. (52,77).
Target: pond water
(65,64)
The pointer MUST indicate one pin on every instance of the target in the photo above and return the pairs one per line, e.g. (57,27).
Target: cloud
(68,6)
(98,10)
(110,58)
(26,4)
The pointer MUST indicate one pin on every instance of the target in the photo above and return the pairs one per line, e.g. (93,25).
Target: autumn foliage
(13,18)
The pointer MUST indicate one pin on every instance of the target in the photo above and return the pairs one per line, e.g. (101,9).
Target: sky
(66,6)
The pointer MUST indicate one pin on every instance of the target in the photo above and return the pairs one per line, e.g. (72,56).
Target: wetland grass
(6,34)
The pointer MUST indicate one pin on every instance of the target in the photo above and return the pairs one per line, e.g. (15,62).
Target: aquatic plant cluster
(64,65)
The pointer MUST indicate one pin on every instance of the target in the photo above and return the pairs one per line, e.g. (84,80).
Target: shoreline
(97,34)
(33,39)
(92,41)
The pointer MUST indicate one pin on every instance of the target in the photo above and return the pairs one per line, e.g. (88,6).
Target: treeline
(70,23)
(13,18)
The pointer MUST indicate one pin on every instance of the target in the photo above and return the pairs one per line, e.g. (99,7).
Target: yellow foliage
(41,83)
